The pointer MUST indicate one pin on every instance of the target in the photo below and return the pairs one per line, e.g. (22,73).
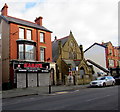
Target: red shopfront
(29,74)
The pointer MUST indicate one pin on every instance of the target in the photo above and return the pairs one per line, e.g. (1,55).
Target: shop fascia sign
(31,66)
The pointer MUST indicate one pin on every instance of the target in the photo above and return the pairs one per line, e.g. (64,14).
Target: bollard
(49,89)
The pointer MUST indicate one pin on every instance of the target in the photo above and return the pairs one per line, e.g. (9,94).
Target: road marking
(61,92)
(76,91)
(97,98)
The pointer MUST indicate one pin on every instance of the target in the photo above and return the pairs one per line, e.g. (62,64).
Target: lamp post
(50,83)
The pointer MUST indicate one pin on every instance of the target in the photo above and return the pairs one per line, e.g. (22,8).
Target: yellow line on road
(61,92)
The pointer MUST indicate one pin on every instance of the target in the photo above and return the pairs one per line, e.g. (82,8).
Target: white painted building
(97,54)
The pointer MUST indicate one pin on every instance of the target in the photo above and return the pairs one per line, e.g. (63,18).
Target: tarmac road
(85,99)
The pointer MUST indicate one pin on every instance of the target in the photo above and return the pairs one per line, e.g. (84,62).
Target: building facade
(70,61)
(105,55)
(26,49)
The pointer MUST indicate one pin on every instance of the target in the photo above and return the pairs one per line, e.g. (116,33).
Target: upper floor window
(42,54)
(29,35)
(26,52)
(110,52)
(111,63)
(74,55)
(42,37)
(21,51)
(21,33)
(29,52)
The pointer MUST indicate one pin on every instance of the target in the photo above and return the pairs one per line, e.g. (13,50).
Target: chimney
(39,20)
(55,38)
(4,10)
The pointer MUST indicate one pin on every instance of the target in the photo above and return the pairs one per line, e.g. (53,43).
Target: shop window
(42,37)
(21,33)
(26,52)
(42,54)
(29,35)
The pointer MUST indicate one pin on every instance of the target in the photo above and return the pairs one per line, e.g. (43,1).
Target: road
(83,99)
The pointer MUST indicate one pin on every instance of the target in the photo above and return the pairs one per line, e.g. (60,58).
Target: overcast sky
(89,20)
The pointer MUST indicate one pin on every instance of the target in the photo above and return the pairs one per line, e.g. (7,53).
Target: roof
(10,19)
(70,62)
(55,47)
(77,62)
(94,45)
(98,66)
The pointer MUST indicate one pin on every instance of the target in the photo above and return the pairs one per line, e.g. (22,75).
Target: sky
(89,20)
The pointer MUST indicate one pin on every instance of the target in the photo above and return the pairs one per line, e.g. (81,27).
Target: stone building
(70,61)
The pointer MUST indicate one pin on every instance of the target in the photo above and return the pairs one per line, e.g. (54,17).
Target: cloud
(89,20)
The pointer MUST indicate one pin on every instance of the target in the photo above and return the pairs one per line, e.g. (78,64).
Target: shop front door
(21,80)
(32,79)
(44,79)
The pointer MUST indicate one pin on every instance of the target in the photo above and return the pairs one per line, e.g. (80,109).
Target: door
(32,79)
(44,79)
(82,72)
(21,80)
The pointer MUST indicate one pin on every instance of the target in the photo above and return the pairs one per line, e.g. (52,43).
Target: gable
(95,44)
(55,47)
(67,46)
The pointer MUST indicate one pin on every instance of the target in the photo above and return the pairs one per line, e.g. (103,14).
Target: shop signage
(32,65)
(43,67)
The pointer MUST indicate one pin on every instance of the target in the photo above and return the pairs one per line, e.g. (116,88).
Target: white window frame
(29,34)
(42,37)
(111,63)
(21,33)
(42,54)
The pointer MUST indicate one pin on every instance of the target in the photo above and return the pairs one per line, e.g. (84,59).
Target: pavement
(19,92)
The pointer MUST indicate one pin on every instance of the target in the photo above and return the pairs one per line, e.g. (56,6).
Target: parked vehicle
(117,80)
(103,81)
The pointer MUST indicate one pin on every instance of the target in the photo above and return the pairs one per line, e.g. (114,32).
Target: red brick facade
(11,42)
(112,55)
(14,35)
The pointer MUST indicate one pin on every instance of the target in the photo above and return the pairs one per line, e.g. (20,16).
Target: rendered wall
(5,51)
(96,54)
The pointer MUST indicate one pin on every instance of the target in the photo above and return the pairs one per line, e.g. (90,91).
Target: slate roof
(10,19)
(70,62)
(98,66)
(55,47)
(77,62)
(106,44)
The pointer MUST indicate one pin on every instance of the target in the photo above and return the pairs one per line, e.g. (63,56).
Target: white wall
(97,54)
